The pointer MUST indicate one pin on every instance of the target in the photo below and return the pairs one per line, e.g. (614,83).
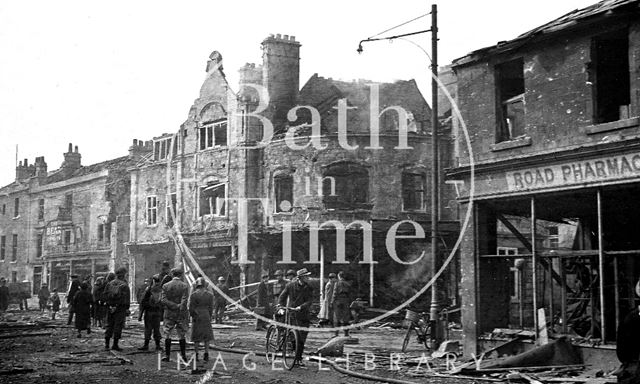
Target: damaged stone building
(313,194)
(552,118)
(72,220)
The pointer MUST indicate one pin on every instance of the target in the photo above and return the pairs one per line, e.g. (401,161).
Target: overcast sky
(99,74)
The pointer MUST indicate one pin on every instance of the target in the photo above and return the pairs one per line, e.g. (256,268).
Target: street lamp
(436,262)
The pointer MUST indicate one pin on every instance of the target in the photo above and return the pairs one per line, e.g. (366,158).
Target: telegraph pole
(436,262)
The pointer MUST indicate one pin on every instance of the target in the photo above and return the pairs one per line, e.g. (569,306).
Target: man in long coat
(220,302)
(175,295)
(73,289)
(201,309)
(298,294)
(263,302)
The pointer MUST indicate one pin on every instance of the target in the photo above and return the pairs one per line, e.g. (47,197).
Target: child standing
(55,303)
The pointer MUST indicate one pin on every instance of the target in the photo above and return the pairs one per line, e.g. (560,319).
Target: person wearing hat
(340,301)
(71,293)
(201,310)
(175,295)
(326,311)
(628,346)
(151,308)
(118,299)
(43,297)
(220,302)
(165,273)
(290,275)
(279,285)
(4,295)
(298,294)
(263,302)
(55,303)
(82,304)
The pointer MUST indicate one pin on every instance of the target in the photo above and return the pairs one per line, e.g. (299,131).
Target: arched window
(346,186)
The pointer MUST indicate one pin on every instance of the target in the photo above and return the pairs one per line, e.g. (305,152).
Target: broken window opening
(510,97)
(3,247)
(283,191)
(351,186)
(152,210)
(213,135)
(16,207)
(213,199)
(609,70)
(413,191)
(162,147)
(14,248)
(41,209)
(171,206)
(39,245)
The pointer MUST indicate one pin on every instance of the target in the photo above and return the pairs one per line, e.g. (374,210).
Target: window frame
(171,202)
(3,247)
(277,179)
(422,193)
(348,178)
(207,136)
(14,248)
(16,207)
(504,128)
(219,211)
(151,211)
(39,245)
(41,209)
(162,147)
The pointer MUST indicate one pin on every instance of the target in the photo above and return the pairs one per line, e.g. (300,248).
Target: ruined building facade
(552,120)
(73,220)
(302,181)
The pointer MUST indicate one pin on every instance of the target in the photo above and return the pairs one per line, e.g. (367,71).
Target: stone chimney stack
(139,148)
(281,75)
(71,159)
(41,167)
(24,170)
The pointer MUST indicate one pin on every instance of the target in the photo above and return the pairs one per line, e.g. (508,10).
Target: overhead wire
(399,25)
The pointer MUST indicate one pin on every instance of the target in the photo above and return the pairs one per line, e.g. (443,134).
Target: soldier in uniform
(175,295)
(118,298)
(165,275)
(151,308)
(298,294)
(221,302)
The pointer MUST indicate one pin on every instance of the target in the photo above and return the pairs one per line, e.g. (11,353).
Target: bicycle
(421,324)
(283,340)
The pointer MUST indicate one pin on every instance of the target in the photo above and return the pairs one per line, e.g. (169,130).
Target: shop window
(346,185)
(213,135)
(152,210)
(3,247)
(171,206)
(609,76)
(16,207)
(283,191)
(41,209)
(413,191)
(14,248)
(510,98)
(162,147)
(39,245)
(213,199)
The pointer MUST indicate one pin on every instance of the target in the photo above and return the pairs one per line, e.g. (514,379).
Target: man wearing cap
(165,275)
(118,298)
(298,294)
(151,307)
(290,275)
(278,286)
(221,302)
(175,295)
(340,301)
(73,289)
(628,346)
(263,302)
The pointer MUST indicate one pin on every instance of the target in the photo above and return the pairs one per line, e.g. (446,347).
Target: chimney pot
(135,142)
(25,162)
(278,36)
(285,37)
(70,148)
(293,38)
(76,149)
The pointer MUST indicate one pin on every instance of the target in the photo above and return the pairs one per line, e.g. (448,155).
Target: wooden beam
(527,244)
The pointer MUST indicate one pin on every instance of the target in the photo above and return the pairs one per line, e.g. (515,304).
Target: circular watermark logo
(237,118)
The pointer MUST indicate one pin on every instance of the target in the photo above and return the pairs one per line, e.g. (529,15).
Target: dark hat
(303,272)
(166,263)
(265,274)
(200,282)
(277,273)
(121,271)
(176,272)
(332,275)
(73,276)
(290,272)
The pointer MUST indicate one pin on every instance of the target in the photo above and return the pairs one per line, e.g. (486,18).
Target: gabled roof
(113,164)
(602,10)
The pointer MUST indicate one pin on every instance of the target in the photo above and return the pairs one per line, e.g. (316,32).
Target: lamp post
(436,259)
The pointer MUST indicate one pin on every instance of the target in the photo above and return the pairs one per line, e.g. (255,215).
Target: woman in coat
(82,303)
(201,310)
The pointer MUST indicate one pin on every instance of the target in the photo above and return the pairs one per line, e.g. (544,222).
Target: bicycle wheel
(407,337)
(290,348)
(426,334)
(272,342)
